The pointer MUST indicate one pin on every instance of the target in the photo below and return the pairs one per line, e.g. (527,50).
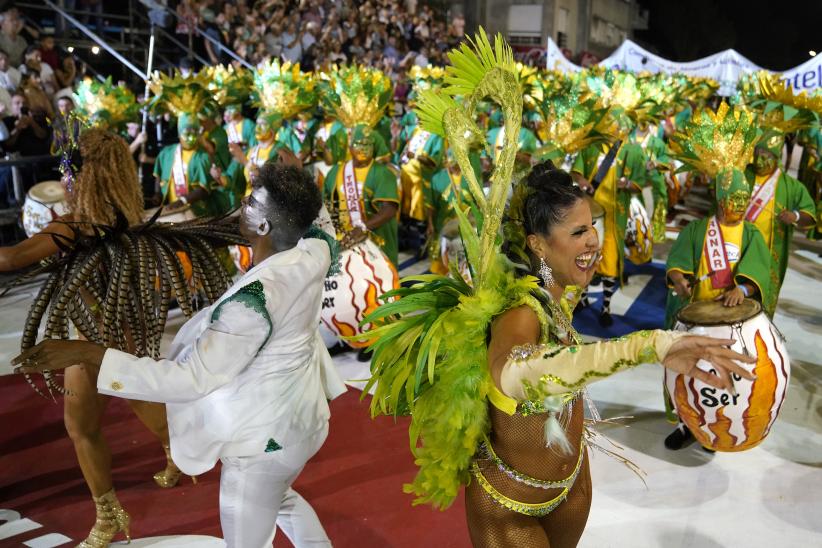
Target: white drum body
(365,274)
(45,202)
(638,235)
(723,421)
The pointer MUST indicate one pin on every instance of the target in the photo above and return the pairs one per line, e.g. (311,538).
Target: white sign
(726,67)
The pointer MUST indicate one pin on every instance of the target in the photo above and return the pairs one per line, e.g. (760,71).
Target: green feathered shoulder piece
(429,341)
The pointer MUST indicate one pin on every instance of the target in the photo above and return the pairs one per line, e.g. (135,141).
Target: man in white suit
(248,379)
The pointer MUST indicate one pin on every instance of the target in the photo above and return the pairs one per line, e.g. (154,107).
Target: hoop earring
(545,272)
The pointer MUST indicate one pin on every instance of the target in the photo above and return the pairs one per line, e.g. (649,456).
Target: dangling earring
(545,273)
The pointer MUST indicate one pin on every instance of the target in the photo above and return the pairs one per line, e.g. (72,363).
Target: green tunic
(380,186)
(790,195)
(442,195)
(227,198)
(686,254)
(197,175)
(222,156)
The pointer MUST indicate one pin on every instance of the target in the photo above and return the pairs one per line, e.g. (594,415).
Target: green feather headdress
(429,346)
(230,85)
(284,89)
(177,94)
(105,103)
(356,94)
(719,144)
(778,106)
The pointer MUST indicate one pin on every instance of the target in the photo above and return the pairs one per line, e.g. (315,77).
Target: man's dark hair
(294,199)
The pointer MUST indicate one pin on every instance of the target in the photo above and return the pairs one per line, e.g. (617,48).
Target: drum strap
(718,263)
(610,156)
(352,196)
(416,143)
(178,173)
(761,196)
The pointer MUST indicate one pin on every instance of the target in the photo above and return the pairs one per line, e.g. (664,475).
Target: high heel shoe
(170,476)
(111,519)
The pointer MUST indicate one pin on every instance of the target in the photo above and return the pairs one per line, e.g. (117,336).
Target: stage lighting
(95,50)
(70,49)
(812,53)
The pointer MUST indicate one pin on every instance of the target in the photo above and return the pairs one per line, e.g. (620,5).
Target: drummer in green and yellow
(182,170)
(374,194)
(779,205)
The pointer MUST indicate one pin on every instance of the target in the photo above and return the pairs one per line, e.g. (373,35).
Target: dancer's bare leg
(82,413)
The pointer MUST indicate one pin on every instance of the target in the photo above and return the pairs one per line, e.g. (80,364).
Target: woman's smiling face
(571,248)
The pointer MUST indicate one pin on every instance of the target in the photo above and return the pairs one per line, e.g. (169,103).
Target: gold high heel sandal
(170,476)
(111,519)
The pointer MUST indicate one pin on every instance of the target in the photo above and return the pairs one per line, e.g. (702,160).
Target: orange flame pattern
(756,418)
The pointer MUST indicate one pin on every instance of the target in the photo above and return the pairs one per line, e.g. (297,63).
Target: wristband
(798,217)
(744,290)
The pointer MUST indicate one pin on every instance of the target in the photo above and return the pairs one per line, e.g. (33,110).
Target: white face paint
(253,212)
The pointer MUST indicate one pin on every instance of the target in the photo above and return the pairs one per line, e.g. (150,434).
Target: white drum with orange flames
(718,419)
(638,235)
(45,202)
(365,274)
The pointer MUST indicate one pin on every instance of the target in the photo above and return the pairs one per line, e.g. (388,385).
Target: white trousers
(256,497)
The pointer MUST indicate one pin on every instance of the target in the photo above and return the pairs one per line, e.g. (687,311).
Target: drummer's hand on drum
(732,297)
(684,354)
(354,237)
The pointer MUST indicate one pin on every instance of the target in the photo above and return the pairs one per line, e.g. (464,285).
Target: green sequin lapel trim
(333,247)
(252,296)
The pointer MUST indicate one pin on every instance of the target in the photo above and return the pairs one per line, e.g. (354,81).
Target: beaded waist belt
(529,509)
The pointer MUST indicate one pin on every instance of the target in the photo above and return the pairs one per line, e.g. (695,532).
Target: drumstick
(699,280)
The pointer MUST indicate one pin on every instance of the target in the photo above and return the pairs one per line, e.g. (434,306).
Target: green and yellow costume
(430,345)
(185,168)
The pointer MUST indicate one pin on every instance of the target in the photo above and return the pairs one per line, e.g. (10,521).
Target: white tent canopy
(726,67)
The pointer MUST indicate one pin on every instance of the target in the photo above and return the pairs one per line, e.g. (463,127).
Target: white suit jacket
(247,375)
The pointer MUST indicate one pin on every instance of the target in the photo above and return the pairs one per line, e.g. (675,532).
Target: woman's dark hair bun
(553,192)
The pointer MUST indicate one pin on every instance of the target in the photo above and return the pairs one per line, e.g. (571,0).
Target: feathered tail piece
(115,285)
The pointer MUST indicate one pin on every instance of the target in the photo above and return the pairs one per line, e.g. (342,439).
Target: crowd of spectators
(35,83)
(390,34)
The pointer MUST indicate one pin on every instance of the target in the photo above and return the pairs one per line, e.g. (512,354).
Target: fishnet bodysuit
(520,442)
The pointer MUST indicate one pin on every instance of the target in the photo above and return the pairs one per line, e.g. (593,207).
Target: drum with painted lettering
(44,202)
(598,213)
(638,234)
(719,419)
(365,274)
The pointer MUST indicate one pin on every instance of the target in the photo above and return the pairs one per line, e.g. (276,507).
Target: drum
(365,274)
(241,255)
(452,250)
(45,202)
(718,419)
(178,215)
(598,213)
(638,234)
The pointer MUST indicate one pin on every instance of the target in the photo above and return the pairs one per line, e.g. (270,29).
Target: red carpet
(354,482)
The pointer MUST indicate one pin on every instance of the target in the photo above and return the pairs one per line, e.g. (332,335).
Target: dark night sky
(775,35)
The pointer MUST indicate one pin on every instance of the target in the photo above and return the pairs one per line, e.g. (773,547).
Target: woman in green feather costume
(446,349)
